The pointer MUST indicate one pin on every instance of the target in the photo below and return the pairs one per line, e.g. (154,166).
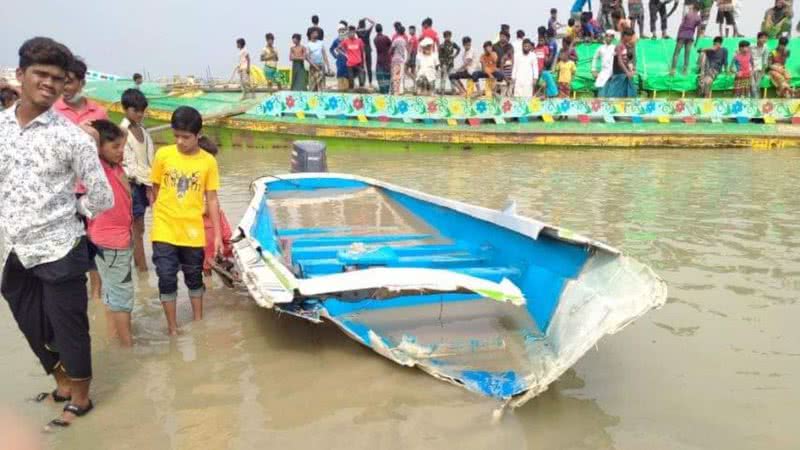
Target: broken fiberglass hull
(497,303)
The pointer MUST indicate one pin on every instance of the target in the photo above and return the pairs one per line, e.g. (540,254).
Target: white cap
(426,42)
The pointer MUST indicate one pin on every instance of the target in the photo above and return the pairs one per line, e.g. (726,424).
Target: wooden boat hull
(496,303)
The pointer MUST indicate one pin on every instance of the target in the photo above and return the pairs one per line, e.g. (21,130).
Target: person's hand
(594,73)
(88,129)
(218,248)
(150,197)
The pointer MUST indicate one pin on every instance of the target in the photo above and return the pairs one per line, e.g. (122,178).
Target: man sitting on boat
(778,20)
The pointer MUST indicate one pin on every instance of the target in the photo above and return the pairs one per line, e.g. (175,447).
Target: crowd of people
(423,62)
(74,191)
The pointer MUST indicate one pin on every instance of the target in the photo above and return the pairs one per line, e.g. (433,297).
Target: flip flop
(54,395)
(70,408)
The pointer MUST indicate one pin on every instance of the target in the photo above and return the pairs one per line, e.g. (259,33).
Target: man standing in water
(42,155)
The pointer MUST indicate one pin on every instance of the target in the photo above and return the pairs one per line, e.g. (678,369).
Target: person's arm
(458,51)
(247,57)
(725,61)
(307,58)
(128,160)
(86,165)
(212,206)
(325,60)
(334,48)
(151,156)
(622,64)
(212,202)
(363,56)
(156,172)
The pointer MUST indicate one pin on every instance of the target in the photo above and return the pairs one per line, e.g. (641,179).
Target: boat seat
(296,232)
(349,240)
(327,266)
(332,251)
(382,256)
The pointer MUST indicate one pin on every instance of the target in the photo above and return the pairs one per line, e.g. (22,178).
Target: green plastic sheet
(654,58)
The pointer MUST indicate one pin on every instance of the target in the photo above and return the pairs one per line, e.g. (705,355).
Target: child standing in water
(185,182)
(139,155)
(110,232)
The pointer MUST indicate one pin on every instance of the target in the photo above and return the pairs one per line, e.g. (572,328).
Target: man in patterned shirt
(44,282)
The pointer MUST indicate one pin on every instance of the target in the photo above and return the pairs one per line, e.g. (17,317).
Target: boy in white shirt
(469,65)
(137,161)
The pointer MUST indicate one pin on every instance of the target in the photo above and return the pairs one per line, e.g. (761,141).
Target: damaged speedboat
(497,303)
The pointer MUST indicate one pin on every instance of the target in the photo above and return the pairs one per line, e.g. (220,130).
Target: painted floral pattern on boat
(345,106)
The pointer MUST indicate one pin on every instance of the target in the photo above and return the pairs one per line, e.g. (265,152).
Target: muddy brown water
(717,367)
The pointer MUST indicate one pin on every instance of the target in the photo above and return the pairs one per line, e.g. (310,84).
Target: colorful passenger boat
(499,304)
(666,115)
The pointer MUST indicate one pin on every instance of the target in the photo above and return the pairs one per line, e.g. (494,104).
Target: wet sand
(716,368)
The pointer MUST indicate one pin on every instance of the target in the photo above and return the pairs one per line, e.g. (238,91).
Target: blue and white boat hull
(497,303)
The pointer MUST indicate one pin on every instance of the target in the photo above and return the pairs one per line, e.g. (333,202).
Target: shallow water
(716,368)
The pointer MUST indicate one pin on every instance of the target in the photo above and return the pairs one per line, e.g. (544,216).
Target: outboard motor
(309,156)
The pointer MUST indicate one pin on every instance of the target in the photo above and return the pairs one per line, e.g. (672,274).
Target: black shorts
(170,259)
(49,303)
(725,17)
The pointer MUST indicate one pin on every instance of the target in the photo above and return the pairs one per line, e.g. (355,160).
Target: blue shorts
(114,267)
(139,200)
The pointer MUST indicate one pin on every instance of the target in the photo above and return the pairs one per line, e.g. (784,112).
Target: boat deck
(330,231)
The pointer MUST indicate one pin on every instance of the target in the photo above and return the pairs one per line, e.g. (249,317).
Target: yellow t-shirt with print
(183,181)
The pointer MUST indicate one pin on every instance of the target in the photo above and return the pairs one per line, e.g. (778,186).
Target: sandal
(70,408)
(54,395)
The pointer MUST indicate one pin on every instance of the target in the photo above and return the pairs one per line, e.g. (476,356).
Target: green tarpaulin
(654,58)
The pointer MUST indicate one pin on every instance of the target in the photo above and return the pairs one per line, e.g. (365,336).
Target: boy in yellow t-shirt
(566,72)
(184,178)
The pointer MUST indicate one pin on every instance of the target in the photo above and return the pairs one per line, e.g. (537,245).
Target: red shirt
(112,229)
(90,112)
(430,33)
(353,50)
(542,53)
(413,43)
